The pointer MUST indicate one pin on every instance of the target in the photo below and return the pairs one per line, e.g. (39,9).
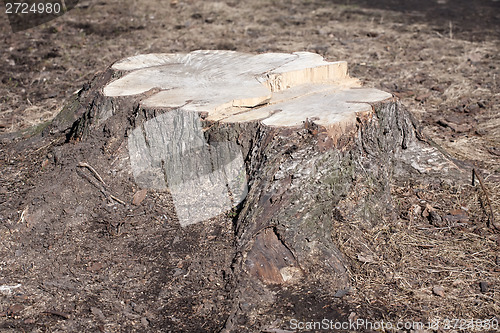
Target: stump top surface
(278,89)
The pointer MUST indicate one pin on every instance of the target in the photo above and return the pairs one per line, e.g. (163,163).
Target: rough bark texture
(296,182)
(296,177)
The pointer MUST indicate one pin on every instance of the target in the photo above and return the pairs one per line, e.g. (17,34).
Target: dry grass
(397,265)
(491,204)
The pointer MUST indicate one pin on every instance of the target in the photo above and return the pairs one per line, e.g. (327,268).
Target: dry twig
(88,166)
(481,182)
(96,184)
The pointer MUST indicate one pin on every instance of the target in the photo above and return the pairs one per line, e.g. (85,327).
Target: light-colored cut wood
(278,89)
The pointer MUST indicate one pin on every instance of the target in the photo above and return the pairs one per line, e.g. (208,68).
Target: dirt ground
(135,270)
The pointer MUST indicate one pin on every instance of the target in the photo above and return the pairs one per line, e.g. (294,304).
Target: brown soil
(87,265)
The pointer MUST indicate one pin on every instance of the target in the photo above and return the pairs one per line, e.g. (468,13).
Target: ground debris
(438,291)
(56,313)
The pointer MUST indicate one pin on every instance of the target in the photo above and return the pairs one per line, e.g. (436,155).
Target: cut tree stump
(276,140)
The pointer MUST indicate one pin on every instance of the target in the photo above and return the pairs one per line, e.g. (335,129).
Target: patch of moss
(67,115)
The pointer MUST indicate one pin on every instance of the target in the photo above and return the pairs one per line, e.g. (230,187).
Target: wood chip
(139,197)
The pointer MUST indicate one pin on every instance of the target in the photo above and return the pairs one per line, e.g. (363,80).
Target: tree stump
(276,140)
